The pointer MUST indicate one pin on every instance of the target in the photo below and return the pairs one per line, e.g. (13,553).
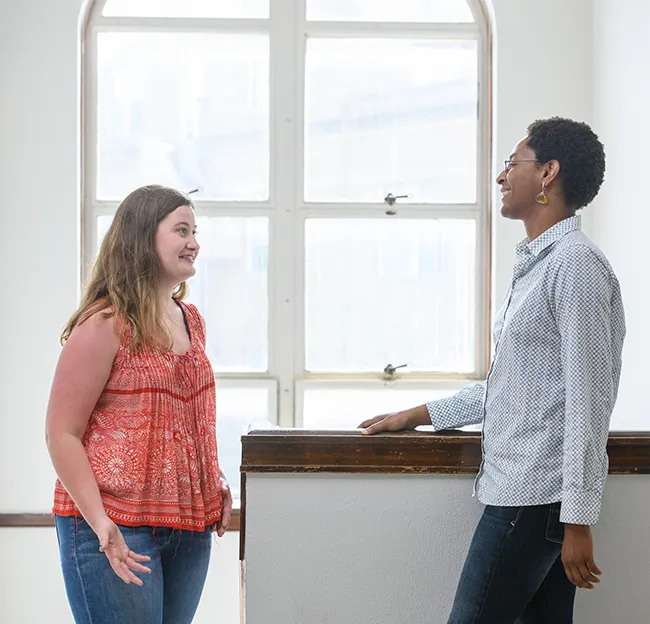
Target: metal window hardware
(390,199)
(389,370)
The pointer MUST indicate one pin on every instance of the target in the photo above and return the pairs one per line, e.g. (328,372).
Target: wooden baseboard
(29,520)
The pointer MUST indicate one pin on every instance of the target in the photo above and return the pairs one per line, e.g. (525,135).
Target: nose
(193,244)
(501,178)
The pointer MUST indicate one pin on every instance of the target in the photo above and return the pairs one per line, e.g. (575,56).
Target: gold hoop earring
(541,197)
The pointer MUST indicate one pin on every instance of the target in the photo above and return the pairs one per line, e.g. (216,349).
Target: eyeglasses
(507,164)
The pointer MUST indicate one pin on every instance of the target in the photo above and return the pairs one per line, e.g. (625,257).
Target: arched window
(340,149)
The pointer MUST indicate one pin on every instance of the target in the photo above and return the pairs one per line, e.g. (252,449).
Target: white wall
(39,177)
(379,549)
(622,217)
(543,68)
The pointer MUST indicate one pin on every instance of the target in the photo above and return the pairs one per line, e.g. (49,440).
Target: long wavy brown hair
(125,276)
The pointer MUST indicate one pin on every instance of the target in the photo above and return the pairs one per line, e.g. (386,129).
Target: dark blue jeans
(513,573)
(170,594)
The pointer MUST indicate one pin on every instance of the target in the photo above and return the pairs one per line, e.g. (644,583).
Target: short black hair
(578,150)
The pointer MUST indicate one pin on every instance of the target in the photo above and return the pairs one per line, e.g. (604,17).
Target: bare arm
(81,374)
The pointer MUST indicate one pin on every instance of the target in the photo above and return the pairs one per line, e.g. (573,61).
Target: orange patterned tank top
(151,438)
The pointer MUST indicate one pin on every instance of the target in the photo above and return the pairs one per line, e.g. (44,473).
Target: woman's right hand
(407,419)
(122,559)
(385,422)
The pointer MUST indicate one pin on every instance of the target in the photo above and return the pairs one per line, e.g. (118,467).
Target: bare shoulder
(97,334)
(81,374)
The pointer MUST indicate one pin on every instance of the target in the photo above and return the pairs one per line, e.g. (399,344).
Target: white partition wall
(380,549)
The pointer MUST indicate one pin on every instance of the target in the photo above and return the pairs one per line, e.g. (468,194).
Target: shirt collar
(550,236)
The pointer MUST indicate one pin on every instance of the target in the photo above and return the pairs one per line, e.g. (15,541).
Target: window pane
(393,116)
(381,292)
(237,408)
(230,289)
(186,8)
(389,10)
(346,408)
(186,110)
(103,223)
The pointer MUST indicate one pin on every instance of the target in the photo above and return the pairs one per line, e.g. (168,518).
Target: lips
(189,258)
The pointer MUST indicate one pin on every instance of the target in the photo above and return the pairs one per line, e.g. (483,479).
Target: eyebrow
(185,223)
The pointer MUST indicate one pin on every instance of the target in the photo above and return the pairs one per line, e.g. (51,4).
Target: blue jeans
(170,594)
(513,573)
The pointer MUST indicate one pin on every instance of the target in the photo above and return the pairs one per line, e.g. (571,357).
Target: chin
(182,276)
(186,270)
(508,212)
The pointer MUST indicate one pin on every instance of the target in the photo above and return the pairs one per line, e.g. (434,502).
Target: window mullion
(485,193)
(425,211)
(182,24)
(89,150)
(282,301)
(388,30)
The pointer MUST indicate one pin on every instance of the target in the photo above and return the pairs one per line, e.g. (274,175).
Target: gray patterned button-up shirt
(549,394)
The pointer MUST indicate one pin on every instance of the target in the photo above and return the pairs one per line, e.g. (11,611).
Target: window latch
(389,370)
(390,199)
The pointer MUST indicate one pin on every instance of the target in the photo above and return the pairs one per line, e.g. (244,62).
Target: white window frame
(286,209)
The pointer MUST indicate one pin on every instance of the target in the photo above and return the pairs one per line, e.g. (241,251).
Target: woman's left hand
(221,526)
(578,556)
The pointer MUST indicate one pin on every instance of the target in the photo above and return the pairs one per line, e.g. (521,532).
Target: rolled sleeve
(463,408)
(581,507)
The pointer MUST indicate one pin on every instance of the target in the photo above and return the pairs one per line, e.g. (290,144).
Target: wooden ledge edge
(402,452)
(446,435)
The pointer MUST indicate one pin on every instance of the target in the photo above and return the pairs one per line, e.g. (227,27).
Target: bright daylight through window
(337,153)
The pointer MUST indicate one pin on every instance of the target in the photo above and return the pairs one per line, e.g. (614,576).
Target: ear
(551,171)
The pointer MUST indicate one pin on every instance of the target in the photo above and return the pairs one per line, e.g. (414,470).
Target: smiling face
(521,182)
(177,246)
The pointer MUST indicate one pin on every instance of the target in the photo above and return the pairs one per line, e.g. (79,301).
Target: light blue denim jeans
(170,594)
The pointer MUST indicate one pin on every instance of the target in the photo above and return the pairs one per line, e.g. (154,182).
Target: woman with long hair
(131,426)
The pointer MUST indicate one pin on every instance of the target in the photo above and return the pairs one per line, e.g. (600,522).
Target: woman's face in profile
(176,245)
(520,181)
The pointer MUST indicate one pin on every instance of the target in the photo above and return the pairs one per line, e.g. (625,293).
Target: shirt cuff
(580,506)
(431,412)
(443,412)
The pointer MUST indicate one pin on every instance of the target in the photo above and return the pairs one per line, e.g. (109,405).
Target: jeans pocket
(554,528)
(520,511)
(502,515)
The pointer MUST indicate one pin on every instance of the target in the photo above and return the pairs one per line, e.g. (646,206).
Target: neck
(165,297)
(544,219)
